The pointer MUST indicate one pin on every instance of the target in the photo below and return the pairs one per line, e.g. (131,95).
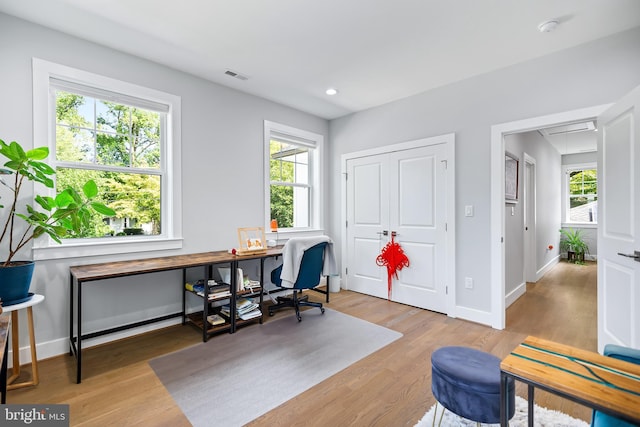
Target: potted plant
(59,217)
(573,242)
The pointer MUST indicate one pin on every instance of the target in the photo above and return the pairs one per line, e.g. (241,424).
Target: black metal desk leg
(504,401)
(233,268)
(328,289)
(530,396)
(184,296)
(3,372)
(71,315)
(205,308)
(261,287)
(79,341)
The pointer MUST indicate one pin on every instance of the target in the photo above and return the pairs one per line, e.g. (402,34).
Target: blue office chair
(600,419)
(308,278)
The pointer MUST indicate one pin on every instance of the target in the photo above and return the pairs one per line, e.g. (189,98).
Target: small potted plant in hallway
(59,217)
(573,242)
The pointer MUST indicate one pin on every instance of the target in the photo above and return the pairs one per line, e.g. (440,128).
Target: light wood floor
(391,387)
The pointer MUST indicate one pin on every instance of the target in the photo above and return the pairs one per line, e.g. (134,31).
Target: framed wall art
(511,165)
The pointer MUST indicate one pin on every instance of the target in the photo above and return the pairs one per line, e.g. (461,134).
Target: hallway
(562,306)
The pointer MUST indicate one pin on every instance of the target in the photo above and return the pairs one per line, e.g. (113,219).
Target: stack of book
(219,290)
(246,309)
(216,290)
(250,285)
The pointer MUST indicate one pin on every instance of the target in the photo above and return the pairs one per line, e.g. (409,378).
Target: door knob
(384,232)
(635,255)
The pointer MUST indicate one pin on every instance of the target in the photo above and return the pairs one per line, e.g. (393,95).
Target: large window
(122,136)
(117,145)
(294,189)
(581,194)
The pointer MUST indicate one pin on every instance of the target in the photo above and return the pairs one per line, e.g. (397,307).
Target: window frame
(315,142)
(44,129)
(567,169)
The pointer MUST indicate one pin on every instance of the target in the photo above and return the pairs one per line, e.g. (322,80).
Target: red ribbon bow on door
(394,258)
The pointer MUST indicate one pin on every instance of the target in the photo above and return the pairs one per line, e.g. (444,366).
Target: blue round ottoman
(467,382)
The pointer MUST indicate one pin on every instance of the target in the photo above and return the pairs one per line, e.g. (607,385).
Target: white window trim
(317,195)
(566,169)
(44,130)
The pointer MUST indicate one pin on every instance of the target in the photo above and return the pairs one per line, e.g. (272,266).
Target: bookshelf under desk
(82,274)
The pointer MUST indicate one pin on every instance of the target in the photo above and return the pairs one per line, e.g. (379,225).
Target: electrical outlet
(468,282)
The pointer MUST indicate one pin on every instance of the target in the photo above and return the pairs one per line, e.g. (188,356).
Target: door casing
(497,315)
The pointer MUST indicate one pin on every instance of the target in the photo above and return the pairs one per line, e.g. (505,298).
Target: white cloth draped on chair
(292,255)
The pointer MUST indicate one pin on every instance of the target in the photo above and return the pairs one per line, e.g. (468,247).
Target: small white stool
(15,344)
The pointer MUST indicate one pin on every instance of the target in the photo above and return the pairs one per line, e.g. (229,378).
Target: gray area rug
(542,417)
(234,378)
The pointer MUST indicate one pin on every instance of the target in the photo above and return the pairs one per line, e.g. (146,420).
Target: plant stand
(35,299)
(574,257)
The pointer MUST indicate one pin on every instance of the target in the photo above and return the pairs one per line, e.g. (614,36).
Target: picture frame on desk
(251,240)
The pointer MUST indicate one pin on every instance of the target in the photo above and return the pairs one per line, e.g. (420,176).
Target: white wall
(222,155)
(592,74)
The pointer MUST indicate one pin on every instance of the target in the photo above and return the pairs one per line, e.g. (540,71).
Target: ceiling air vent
(236,75)
(569,128)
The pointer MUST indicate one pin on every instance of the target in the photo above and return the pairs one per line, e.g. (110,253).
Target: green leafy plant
(572,241)
(59,217)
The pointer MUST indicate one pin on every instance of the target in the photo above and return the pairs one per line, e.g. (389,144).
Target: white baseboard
(548,266)
(512,296)
(473,315)
(48,349)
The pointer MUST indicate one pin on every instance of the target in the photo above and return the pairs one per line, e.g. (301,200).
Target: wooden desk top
(591,377)
(85,273)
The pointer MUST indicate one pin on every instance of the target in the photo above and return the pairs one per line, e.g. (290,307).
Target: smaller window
(289,188)
(293,190)
(582,194)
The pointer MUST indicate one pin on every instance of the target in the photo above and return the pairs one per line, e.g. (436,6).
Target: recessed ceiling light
(548,26)
(331,91)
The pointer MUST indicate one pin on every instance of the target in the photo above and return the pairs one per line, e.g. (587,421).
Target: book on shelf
(251,285)
(215,319)
(218,295)
(243,302)
(213,286)
(246,309)
(195,286)
(219,287)
(225,310)
(251,314)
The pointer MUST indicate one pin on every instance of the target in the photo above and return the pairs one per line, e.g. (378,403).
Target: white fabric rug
(234,378)
(543,417)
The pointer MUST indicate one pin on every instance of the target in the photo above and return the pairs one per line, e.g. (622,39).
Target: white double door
(402,193)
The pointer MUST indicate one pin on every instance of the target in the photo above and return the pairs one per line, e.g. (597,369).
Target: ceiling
(571,138)
(372,51)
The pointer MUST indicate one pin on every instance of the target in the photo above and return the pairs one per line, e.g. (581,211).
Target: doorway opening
(498,133)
